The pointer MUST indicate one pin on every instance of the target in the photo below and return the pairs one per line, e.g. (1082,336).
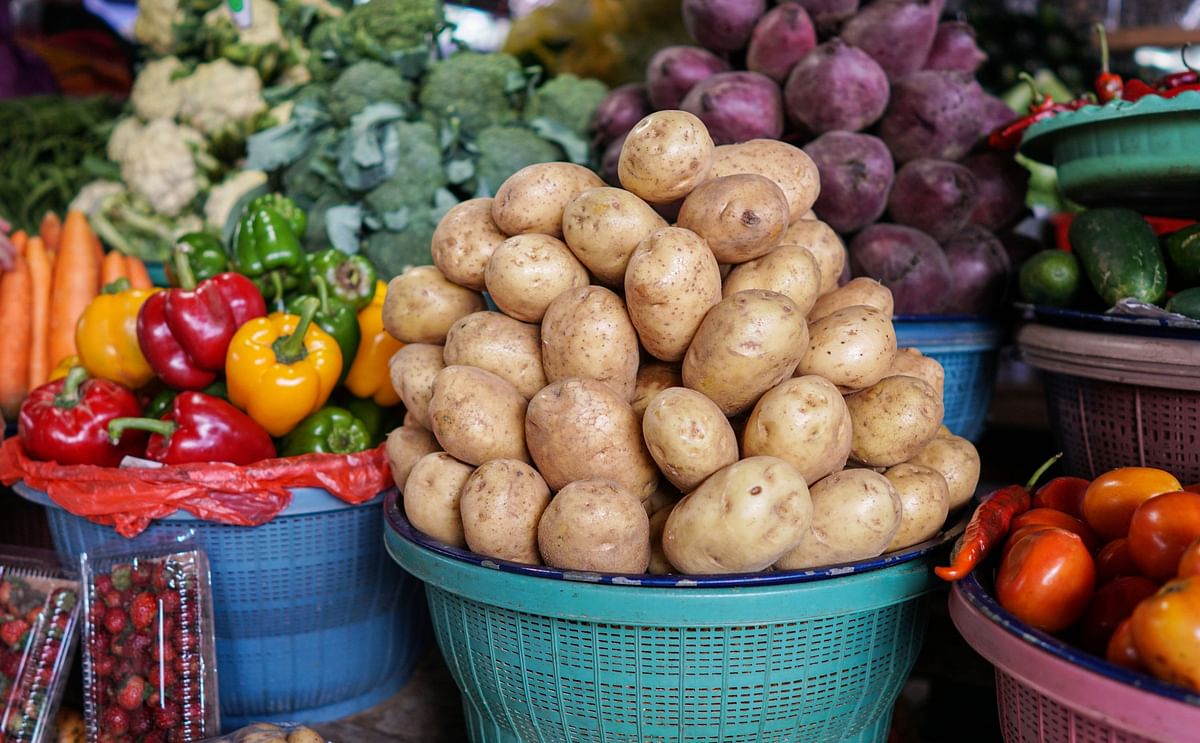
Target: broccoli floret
(415,182)
(503,150)
(480,90)
(569,100)
(366,82)
(394,251)
(389,31)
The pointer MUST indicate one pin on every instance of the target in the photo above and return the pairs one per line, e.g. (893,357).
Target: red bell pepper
(199,428)
(184,333)
(66,421)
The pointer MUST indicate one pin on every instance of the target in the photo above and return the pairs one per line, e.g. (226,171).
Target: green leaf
(282,145)
(369,152)
(577,148)
(343,226)
(515,82)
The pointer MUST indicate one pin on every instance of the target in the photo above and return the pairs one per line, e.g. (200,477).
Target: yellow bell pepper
(64,367)
(281,368)
(106,336)
(369,376)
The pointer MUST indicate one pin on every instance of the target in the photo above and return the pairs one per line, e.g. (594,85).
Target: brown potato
(688,436)
(788,269)
(664,496)
(741,217)
(803,421)
(670,284)
(824,244)
(861,291)
(501,504)
(464,240)
(527,272)
(665,156)
(497,343)
(853,347)
(581,429)
(413,369)
(785,164)
(477,416)
(957,461)
(533,199)
(603,226)
(595,525)
(587,334)
(659,564)
(431,497)
(893,420)
(746,345)
(924,503)
(422,304)
(855,514)
(653,377)
(405,445)
(304,735)
(911,362)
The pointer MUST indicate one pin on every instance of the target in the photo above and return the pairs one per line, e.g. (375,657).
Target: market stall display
(267,733)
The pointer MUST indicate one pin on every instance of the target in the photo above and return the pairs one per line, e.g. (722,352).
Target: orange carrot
(18,240)
(76,282)
(14,341)
(97,247)
(139,277)
(51,231)
(39,310)
(112,268)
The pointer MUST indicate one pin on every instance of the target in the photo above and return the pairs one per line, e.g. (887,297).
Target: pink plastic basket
(1051,692)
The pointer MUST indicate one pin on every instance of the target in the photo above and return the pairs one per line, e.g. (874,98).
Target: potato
(747,344)
(431,497)
(659,564)
(405,445)
(855,514)
(581,429)
(527,272)
(803,421)
(741,520)
(533,199)
(477,416)
(501,505)
(422,304)
(508,348)
(824,244)
(861,291)
(670,284)
(464,240)
(412,370)
(664,496)
(304,735)
(587,334)
(911,362)
(653,377)
(688,436)
(957,461)
(852,347)
(789,166)
(788,269)
(741,217)
(943,432)
(924,503)
(411,421)
(665,156)
(603,226)
(595,525)
(893,420)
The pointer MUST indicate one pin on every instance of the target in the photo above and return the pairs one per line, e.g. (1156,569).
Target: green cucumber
(1051,277)
(1186,303)
(1183,254)
(1120,255)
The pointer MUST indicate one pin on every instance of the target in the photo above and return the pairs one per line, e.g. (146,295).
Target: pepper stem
(1183,57)
(322,293)
(290,348)
(1042,470)
(1103,47)
(118,426)
(1037,94)
(183,268)
(116,287)
(69,396)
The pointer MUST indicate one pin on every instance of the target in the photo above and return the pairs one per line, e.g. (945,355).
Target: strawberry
(112,599)
(34,615)
(142,643)
(96,612)
(140,721)
(104,665)
(104,584)
(167,717)
(114,720)
(154,736)
(5,591)
(10,664)
(169,602)
(122,577)
(132,692)
(142,574)
(163,651)
(143,610)
(114,621)
(124,668)
(162,676)
(14,632)
(162,579)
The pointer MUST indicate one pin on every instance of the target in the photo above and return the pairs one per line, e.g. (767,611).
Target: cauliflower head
(156,93)
(162,167)
(221,93)
(92,196)
(224,196)
(477,89)
(124,136)
(155,25)
(264,25)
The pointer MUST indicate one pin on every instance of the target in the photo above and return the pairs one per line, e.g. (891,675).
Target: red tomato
(1112,604)
(1121,650)
(1114,561)
(1161,529)
(1189,564)
(1111,499)
(1046,579)
(1166,632)
(1015,534)
(1054,517)
(1192,488)
(1062,494)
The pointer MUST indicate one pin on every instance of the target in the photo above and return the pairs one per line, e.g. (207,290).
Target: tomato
(1111,499)
(1121,650)
(1114,561)
(1192,488)
(1062,494)
(1112,604)
(1166,632)
(1189,564)
(1054,517)
(1046,579)
(1161,529)
(1015,535)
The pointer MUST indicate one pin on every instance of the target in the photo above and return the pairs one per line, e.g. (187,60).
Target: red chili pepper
(988,525)
(66,421)
(1007,137)
(1179,89)
(1178,79)
(199,428)
(184,333)
(1135,90)
(1108,84)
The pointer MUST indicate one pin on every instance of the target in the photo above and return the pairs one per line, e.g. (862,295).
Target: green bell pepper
(330,430)
(379,420)
(336,318)
(284,207)
(160,404)
(267,249)
(205,256)
(351,278)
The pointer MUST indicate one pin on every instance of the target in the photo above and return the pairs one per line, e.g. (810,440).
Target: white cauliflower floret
(220,93)
(124,136)
(282,113)
(297,74)
(223,197)
(155,25)
(93,195)
(264,25)
(162,167)
(155,94)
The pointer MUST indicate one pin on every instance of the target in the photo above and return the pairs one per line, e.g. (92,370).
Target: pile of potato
(694,398)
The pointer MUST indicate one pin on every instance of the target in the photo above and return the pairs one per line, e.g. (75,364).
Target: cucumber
(1051,277)
(1183,254)
(1120,255)
(1186,303)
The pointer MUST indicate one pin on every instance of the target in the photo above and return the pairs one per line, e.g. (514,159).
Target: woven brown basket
(1119,400)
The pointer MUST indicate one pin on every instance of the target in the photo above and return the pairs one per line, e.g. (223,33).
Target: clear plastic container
(39,611)
(149,664)
(262,732)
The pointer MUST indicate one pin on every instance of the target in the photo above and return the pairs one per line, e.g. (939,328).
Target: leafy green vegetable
(503,150)
(477,90)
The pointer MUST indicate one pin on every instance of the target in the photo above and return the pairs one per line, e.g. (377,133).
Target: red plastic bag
(128,499)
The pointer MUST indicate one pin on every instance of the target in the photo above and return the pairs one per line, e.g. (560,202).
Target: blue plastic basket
(313,621)
(546,656)
(968,349)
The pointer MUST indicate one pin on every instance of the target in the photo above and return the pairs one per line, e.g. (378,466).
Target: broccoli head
(392,251)
(503,150)
(366,82)
(395,32)
(569,100)
(414,184)
(480,90)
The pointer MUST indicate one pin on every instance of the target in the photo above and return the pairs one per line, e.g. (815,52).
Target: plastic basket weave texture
(313,621)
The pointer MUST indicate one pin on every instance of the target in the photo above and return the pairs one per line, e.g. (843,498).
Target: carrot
(51,231)
(14,341)
(97,247)
(112,268)
(39,310)
(18,240)
(139,277)
(76,282)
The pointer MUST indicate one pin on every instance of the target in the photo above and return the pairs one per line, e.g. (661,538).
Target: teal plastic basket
(546,656)
(968,348)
